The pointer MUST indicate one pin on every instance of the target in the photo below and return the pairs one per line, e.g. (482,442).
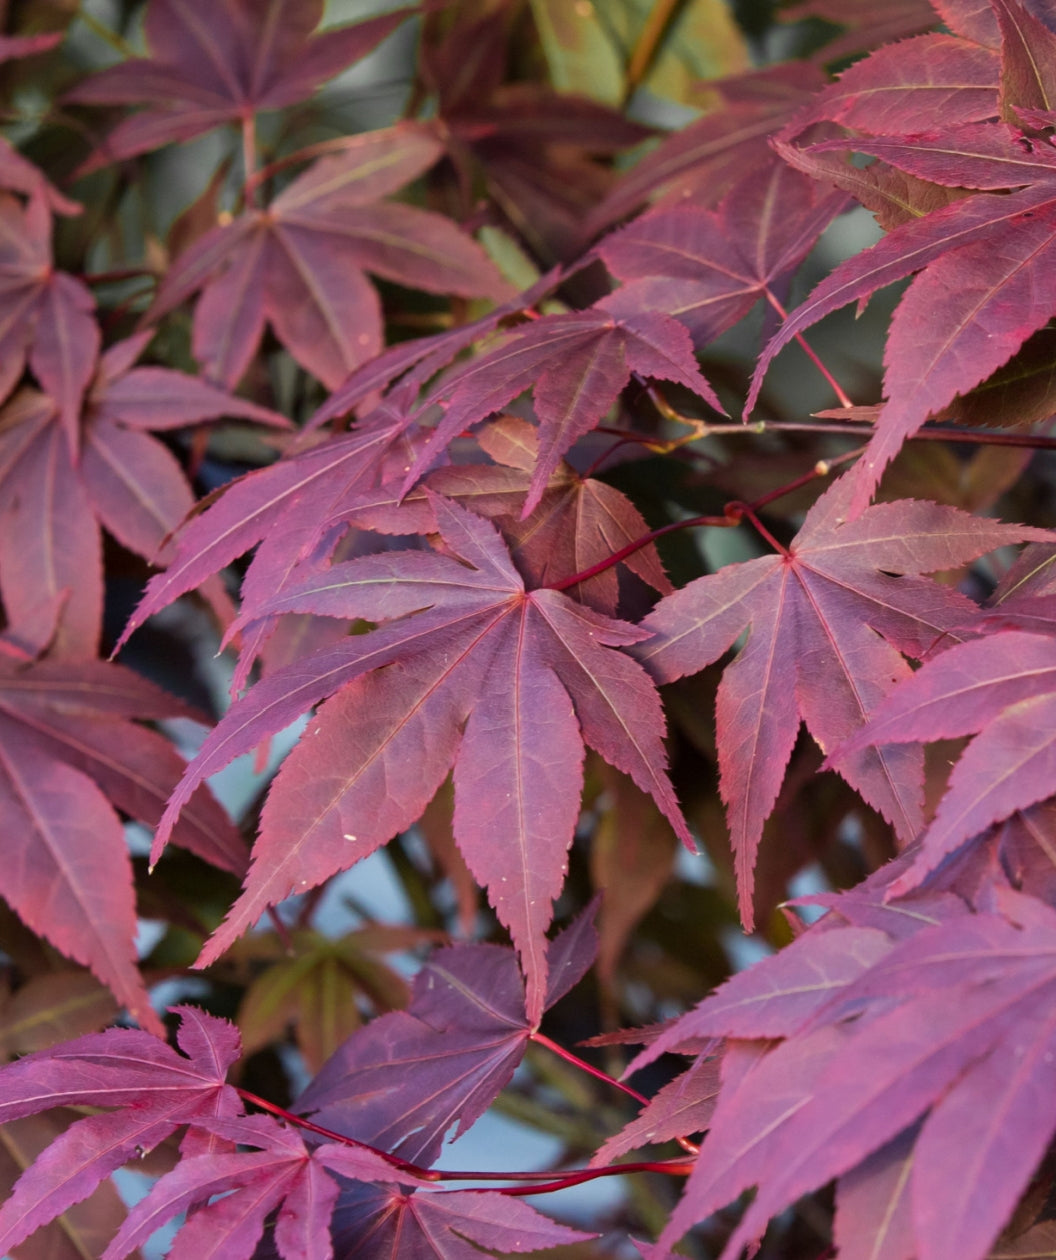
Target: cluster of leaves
(446,396)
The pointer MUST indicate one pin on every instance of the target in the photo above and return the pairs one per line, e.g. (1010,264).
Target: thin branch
(547,1181)
(720,522)
(833,383)
(647,45)
(117,42)
(541,1039)
(249,159)
(673,1167)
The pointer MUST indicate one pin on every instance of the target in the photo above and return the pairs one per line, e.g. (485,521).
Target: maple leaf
(46,316)
(682,1106)
(446,1224)
(579,522)
(833,1095)
(829,621)
(703,160)
(136,487)
(299,265)
(503,682)
(465,1031)
(985,283)
(221,63)
(53,498)
(942,79)
(290,507)
(282,1175)
(156,1089)
(69,753)
(1001,685)
(576,365)
(708,268)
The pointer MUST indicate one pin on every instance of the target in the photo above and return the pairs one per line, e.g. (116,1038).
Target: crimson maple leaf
(682,1106)
(380,1224)
(829,621)
(985,261)
(46,316)
(466,1030)
(830,1098)
(282,1175)
(155,1089)
(54,494)
(216,63)
(1003,686)
(505,683)
(576,365)
(299,265)
(70,754)
(709,268)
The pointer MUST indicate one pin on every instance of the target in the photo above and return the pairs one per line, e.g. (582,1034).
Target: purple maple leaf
(156,1090)
(217,63)
(70,753)
(830,615)
(505,683)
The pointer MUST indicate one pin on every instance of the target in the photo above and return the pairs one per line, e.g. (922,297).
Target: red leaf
(404,1079)
(44,314)
(823,1101)
(67,741)
(300,263)
(937,80)
(708,269)
(216,64)
(450,1225)
(576,364)
(157,1089)
(282,1174)
(485,652)
(50,544)
(829,616)
(681,1107)
(1002,685)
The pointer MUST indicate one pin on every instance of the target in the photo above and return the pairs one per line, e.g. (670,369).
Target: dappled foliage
(508,599)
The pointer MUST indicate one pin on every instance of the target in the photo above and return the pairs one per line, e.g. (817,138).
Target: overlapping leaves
(1002,686)
(221,63)
(70,752)
(299,265)
(984,262)
(952,1027)
(466,1029)
(504,683)
(59,484)
(829,622)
